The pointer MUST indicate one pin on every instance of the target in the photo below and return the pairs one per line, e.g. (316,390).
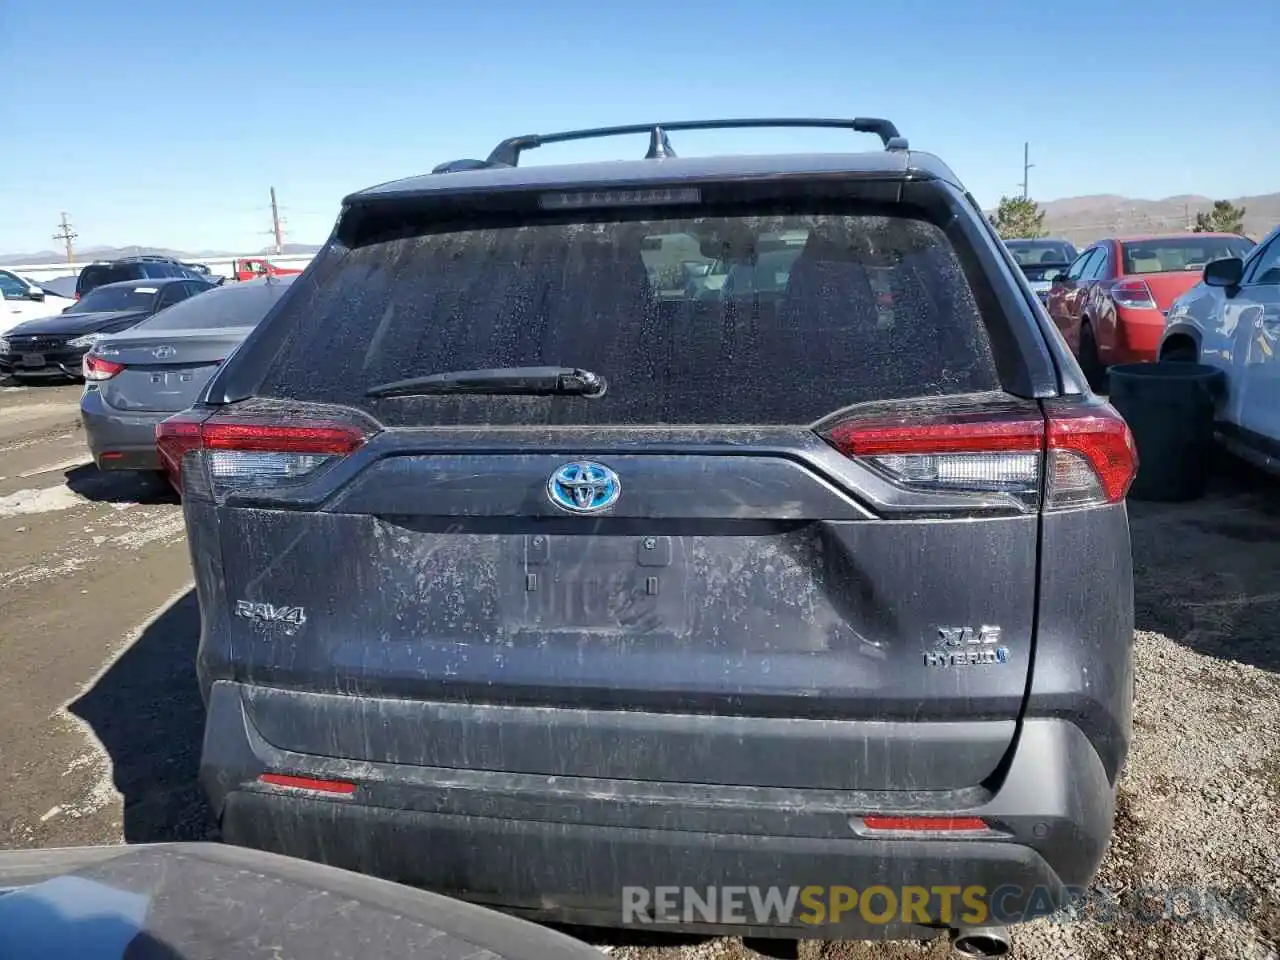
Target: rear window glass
(1175,254)
(114,273)
(110,299)
(1032,253)
(732,319)
(242,305)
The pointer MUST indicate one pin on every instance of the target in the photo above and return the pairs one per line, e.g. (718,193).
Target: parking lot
(102,717)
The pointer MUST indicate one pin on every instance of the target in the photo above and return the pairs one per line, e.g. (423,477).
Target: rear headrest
(827,267)
(607,262)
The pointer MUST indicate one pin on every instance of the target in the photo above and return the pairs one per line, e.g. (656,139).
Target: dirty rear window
(824,311)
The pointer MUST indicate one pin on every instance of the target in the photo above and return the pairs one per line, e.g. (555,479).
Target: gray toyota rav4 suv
(529,576)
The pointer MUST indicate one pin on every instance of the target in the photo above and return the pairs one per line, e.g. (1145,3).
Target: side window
(1265,268)
(1099,264)
(1078,269)
(173,293)
(90,277)
(11,286)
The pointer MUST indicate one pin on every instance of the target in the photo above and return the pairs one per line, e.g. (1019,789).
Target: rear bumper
(579,850)
(1138,335)
(118,439)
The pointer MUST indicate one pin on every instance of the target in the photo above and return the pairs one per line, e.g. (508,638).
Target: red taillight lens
(322,438)
(1092,454)
(1089,452)
(1133,293)
(176,437)
(244,452)
(872,438)
(95,368)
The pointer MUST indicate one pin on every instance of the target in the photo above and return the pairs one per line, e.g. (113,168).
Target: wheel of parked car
(1090,361)
(1180,353)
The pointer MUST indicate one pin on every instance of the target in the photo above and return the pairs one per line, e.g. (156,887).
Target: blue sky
(165,123)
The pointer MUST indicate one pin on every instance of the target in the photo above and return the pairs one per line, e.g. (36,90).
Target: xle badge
(967,647)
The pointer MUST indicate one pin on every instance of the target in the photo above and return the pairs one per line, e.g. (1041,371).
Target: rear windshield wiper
(530,381)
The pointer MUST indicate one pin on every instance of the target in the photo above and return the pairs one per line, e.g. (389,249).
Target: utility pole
(67,236)
(275,224)
(1026,169)
(1186,216)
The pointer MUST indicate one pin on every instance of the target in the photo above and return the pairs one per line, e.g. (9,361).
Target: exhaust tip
(980,942)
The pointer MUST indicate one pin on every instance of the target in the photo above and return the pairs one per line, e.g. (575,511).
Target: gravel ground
(102,721)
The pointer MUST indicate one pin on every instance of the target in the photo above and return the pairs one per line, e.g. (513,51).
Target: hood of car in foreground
(74,324)
(189,900)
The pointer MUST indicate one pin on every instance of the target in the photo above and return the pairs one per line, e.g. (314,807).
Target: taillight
(1133,293)
(242,452)
(95,368)
(1063,458)
(1092,456)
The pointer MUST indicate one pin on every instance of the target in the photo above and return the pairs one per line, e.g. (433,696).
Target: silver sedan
(137,378)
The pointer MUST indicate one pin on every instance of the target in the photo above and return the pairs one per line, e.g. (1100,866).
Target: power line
(67,236)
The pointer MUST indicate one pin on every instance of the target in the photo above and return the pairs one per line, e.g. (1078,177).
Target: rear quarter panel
(1083,668)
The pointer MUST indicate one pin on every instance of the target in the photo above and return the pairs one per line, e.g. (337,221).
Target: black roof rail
(507,153)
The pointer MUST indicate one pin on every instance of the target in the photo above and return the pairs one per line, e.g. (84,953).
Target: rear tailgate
(745,600)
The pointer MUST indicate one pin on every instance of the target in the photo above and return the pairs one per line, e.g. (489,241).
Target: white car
(25,300)
(1231,320)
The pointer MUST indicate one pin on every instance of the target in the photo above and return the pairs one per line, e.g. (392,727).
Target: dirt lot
(101,716)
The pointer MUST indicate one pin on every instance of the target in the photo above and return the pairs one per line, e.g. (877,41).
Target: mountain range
(1085,219)
(87,254)
(1078,219)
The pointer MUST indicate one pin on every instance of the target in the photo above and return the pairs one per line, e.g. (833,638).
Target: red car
(1111,303)
(255,268)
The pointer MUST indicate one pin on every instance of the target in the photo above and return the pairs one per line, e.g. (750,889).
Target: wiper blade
(530,381)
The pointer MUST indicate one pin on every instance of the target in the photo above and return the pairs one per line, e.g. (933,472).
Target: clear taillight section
(1133,293)
(245,452)
(1064,458)
(96,368)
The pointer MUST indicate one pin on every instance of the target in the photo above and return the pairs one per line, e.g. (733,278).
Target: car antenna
(659,145)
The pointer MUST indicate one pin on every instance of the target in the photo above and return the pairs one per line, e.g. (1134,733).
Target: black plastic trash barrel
(1169,408)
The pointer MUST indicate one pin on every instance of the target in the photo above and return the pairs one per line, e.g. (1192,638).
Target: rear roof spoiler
(507,153)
